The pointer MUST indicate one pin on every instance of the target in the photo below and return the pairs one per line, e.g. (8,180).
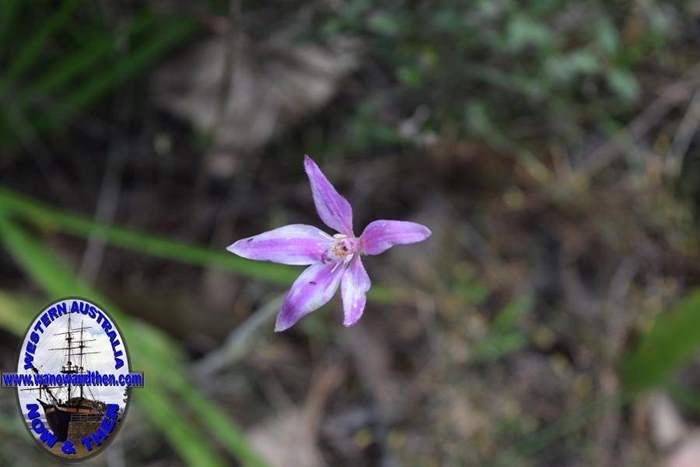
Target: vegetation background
(553,317)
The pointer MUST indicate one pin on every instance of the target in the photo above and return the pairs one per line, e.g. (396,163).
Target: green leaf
(499,345)
(505,336)
(523,31)
(45,216)
(670,344)
(566,68)
(606,36)
(384,23)
(624,84)
(508,317)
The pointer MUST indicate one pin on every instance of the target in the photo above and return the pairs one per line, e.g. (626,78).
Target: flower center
(342,249)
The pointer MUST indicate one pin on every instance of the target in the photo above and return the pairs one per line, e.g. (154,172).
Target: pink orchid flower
(333,260)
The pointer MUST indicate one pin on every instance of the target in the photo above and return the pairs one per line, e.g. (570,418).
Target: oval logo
(73,379)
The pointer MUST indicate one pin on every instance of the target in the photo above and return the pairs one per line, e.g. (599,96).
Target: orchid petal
(334,210)
(295,244)
(312,289)
(381,235)
(353,289)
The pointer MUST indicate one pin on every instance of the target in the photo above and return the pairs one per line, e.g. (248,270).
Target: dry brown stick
(238,341)
(107,202)
(372,363)
(110,188)
(617,322)
(684,136)
(322,386)
(671,96)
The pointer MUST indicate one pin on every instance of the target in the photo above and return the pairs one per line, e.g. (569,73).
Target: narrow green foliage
(59,88)
(670,343)
(505,335)
(192,446)
(687,398)
(8,12)
(78,63)
(511,314)
(169,33)
(13,317)
(44,216)
(32,49)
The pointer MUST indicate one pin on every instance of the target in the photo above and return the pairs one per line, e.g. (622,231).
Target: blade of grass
(192,446)
(219,424)
(76,63)
(12,314)
(151,350)
(29,53)
(167,34)
(7,15)
(505,336)
(507,318)
(44,216)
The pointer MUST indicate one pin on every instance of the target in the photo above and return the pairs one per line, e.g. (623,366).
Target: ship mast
(82,347)
(70,368)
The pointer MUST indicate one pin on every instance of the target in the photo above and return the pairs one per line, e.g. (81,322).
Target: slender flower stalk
(333,261)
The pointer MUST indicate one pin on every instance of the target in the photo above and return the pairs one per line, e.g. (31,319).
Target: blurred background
(552,147)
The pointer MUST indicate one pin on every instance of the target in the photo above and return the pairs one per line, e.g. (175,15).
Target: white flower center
(342,249)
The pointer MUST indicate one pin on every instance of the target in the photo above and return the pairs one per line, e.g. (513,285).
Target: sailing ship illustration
(72,412)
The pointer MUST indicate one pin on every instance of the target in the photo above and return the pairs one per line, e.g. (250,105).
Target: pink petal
(312,289)
(353,289)
(334,210)
(296,244)
(381,235)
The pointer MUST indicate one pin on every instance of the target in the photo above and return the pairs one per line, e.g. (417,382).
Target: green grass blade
(8,11)
(151,352)
(499,345)
(32,49)
(505,335)
(507,319)
(219,424)
(42,215)
(670,343)
(191,445)
(167,34)
(77,63)
(13,317)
